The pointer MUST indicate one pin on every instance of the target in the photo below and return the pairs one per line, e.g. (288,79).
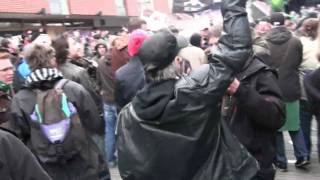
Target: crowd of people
(159,105)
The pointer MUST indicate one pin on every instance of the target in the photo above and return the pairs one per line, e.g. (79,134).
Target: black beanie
(277,19)
(158,51)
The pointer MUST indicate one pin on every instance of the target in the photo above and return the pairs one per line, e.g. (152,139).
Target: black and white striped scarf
(43,74)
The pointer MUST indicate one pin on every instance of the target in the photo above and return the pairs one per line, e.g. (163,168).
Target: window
(59,7)
(121,7)
(145,4)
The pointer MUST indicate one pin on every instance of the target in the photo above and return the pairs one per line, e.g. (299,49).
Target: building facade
(84,7)
(19,15)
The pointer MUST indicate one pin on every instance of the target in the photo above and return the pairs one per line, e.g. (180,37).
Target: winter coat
(89,163)
(129,80)
(194,55)
(256,112)
(16,160)
(119,57)
(106,80)
(172,130)
(286,57)
(312,86)
(310,61)
(79,75)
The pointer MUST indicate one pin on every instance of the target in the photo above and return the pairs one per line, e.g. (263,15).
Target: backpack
(57,134)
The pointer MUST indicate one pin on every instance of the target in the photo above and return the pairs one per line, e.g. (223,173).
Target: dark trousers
(306,116)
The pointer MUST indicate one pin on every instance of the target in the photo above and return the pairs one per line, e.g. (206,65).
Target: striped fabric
(44,74)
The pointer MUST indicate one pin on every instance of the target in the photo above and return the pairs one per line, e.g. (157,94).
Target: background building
(20,15)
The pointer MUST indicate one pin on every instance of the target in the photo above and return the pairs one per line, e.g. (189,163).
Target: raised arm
(235,45)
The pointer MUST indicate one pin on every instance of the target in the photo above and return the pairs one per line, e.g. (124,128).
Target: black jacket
(130,79)
(257,112)
(80,75)
(17,162)
(172,130)
(312,86)
(286,57)
(89,163)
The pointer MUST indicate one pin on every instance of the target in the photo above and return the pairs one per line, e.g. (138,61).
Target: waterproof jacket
(16,160)
(89,163)
(172,130)
(286,57)
(256,112)
(130,79)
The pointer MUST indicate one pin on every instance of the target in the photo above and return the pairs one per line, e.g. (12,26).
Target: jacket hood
(278,35)
(252,66)
(158,51)
(151,101)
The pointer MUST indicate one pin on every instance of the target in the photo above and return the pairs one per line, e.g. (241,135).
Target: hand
(233,87)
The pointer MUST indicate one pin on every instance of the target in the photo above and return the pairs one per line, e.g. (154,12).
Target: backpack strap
(60,84)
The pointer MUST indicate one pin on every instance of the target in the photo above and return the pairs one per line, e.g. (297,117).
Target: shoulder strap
(60,84)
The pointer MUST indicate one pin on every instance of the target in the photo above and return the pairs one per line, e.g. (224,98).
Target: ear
(177,60)
(53,62)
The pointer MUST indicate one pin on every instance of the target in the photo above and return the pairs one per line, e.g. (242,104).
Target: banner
(194,6)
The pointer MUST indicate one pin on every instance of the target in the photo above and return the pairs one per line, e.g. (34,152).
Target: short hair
(135,23)
(167,73)
(4,55)
(5,43)
(39,56)
(61,46)
(215,31)
(195,40)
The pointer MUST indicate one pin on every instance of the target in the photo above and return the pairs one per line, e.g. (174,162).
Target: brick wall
(23,6)
(162,6)
(132,7)
(92,7)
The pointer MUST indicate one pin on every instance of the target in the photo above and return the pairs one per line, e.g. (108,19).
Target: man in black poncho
(172,129)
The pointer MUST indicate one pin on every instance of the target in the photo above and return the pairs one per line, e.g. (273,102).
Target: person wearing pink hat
(130,78)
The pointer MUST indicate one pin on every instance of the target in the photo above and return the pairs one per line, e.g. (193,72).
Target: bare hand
(232,89)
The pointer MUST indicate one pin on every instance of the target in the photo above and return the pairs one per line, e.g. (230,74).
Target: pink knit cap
(136,39)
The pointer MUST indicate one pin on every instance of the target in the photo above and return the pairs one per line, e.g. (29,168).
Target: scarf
(4,87)
(43,75)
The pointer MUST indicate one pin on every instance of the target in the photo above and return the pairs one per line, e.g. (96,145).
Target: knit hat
(100,42)
(136,39)
(277,19)
(158,51)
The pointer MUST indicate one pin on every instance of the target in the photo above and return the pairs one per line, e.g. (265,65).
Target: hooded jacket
(286,57)
(172,130)
(256,112)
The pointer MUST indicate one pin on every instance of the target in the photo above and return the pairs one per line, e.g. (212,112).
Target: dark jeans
(306,114)
(299,147)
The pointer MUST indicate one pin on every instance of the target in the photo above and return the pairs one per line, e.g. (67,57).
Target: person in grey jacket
(172,129)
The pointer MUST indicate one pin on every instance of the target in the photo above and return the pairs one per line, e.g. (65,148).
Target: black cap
(158,51)
(277,19)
